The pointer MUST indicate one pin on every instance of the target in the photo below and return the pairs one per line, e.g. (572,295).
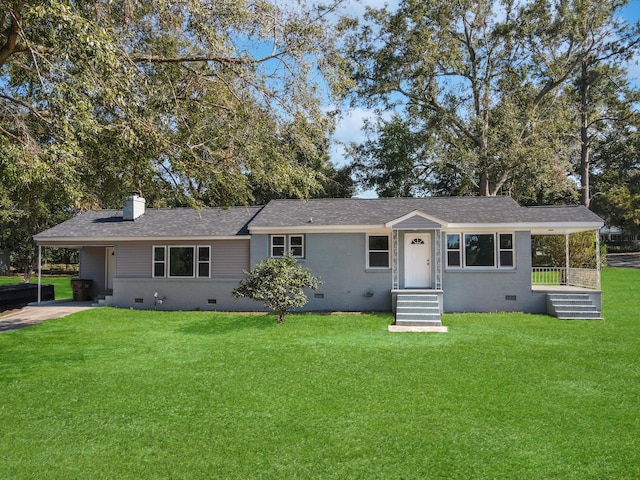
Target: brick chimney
(134,206)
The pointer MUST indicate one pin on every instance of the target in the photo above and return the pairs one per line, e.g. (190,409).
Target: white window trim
(287,244)
(479,267)
(193,266)
(198,262)
(154,261)
(460,251)
(368,251)
(512,250)
(302,245)
(496,253)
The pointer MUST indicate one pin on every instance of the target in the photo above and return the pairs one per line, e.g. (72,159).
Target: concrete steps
(417,310)
(103,299)
(572,306)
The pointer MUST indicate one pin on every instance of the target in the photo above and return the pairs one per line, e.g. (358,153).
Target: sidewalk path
(34,313)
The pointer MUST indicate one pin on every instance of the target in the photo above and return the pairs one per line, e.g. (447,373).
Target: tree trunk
(585,141)
(484,184)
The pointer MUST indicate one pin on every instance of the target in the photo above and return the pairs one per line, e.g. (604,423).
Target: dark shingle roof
(378,211)
(340,212)
(170,222)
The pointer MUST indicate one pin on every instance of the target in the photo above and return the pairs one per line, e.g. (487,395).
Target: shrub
(279,283)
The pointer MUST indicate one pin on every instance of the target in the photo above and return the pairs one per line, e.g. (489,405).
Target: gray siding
(92,267)
(180,294)
(493,290)
(229,258)
(339,259)
(417,223)
(133,260)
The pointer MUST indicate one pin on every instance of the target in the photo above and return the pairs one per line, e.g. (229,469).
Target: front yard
(123,394)
(61,284)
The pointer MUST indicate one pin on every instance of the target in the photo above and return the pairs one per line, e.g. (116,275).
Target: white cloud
(349,127)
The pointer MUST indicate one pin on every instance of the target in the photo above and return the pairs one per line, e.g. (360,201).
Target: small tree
(279,283)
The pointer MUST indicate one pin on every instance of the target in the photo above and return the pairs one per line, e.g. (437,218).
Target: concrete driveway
(34,313)
(625,260)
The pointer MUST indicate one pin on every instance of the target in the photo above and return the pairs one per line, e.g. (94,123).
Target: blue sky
(349,128)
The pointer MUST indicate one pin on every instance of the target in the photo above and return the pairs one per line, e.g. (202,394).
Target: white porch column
(597,232)
(438,247)
(566,260)
(395,274)
(39,273)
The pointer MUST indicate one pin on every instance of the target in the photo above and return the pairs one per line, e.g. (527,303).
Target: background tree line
(214,103)
(191,102)
(479,97)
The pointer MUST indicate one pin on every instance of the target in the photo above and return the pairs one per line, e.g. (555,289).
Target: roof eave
(81,241)
(310,228)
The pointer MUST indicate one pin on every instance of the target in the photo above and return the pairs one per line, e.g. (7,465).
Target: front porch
(571,291)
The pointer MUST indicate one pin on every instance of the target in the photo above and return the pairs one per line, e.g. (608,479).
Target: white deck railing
(573,277)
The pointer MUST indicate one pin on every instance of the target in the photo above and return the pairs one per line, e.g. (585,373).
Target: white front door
(417,260)
(110,266)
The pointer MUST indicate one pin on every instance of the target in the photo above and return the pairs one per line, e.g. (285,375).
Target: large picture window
(378,251)
(480,250)
(181,261)
(281,244)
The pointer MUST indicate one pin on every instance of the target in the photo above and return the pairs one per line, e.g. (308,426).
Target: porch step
(103,299)
(417,310)
(572,306)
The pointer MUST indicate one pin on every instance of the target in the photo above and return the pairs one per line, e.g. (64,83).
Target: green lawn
(61,284)
(120,394)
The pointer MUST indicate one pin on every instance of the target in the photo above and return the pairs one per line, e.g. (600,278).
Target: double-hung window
(454,254)
(505,250)
(480,250)
(282,244)
(159,261)
(378,251)
(204,261)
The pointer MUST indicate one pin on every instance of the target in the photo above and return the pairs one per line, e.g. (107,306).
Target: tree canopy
(484,94)
(191,102)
